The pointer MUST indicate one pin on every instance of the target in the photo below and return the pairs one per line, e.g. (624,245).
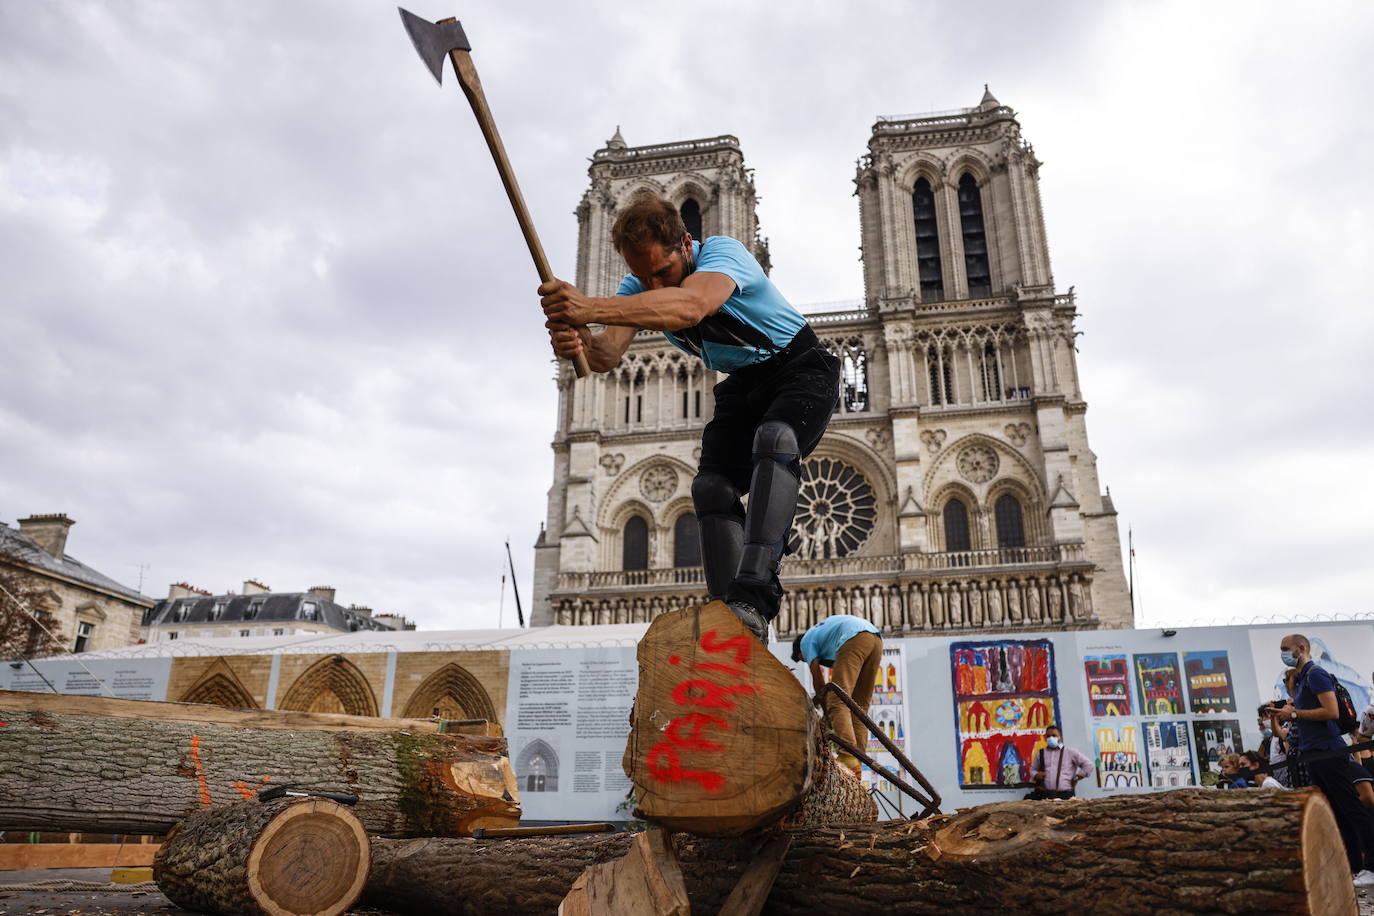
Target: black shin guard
(772,502)
(720,519)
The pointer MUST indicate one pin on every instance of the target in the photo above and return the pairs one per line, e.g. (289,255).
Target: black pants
(1332,776)
(800,388)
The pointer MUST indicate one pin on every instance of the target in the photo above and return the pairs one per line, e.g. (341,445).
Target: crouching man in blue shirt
(853,651)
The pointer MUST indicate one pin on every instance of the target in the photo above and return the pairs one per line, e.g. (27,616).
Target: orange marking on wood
(200,772)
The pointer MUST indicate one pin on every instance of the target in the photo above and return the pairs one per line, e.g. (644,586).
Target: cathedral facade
(954,491)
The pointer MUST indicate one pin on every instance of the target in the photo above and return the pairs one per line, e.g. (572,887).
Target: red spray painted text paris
(664,762)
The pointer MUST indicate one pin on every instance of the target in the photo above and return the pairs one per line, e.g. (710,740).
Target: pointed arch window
(691,217)
(1011,529)
(927,243)
(991,370)
(686,541)
(956,527)
(975,239)
(635,549)
(940,366)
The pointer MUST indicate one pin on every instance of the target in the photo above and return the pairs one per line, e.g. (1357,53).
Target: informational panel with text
(567,721)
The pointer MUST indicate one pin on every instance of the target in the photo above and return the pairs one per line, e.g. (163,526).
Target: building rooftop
(28,552)
(269,607)
(553,637)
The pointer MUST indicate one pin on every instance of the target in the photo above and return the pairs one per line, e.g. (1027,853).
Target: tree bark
(1186,851)
(140,767)
(280,858)
(724,739)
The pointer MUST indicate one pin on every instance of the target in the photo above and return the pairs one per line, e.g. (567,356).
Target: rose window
(836,510)
(978,463)
(658,483)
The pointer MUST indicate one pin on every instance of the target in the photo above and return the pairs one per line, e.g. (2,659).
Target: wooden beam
(74,704)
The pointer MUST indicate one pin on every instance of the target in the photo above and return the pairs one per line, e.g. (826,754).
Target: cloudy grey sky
(264,311)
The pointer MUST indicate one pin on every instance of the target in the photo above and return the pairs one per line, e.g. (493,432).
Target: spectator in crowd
(1231,776)
(1273,744)
(1056,768)
(1250,764)
(853,651)
(1313,710)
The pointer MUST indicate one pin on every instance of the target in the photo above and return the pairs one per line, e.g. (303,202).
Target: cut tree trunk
(724,739)
(1186,851)
(93,765)
(282,858)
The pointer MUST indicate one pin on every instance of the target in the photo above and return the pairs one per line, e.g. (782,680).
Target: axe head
(433,40)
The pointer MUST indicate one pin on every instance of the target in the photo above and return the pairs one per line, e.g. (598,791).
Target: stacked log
(724,740)
(1186,851)
(72,763)
(288,856)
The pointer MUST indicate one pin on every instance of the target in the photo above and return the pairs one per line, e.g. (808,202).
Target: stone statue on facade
(995,602)
(1033,599)
(1055,600)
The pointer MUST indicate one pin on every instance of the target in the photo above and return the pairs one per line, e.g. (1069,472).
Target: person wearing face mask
(1057,768)
(1314,712)
(1273,738)
(1250,763)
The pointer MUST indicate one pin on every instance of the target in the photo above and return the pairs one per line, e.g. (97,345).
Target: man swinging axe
(712,300)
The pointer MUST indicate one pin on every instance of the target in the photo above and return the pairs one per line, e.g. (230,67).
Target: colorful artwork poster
(1161,687)
(1118,757)
(1168,754)
(1214,737)
(1004,698)
(1109,684)
(888,711)
(1210,689)
(1344,651)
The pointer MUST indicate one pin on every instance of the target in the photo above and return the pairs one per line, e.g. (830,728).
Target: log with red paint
(724,739)
(96,765)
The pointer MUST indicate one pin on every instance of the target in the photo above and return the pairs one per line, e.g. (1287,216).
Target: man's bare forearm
(668,309)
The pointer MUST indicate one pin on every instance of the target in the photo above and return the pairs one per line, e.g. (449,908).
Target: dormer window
(254,608)
(310,610)
(217,611)
(181,613)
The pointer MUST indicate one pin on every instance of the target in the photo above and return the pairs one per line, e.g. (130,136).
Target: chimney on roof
(47,531)
(325,592)
(360,610)
(254,587)
(184,590)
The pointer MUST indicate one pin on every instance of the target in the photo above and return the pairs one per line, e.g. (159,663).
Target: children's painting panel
(1004,698)
(1108,681)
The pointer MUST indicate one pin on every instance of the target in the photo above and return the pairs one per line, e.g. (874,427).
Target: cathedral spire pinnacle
(989,100)
(617,141)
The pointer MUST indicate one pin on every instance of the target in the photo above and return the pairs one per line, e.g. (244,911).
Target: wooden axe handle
(472,88)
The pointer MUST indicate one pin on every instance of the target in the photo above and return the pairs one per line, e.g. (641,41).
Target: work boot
(751,618)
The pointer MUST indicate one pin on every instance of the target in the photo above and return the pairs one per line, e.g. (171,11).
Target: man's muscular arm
(670,308)
(603,350)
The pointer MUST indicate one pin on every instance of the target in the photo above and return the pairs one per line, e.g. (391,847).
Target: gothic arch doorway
(331,685)
(219,688)
(451,693)
(537,767)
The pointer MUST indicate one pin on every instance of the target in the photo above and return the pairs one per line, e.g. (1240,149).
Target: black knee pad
(777,441)
(720,519)
(714,494)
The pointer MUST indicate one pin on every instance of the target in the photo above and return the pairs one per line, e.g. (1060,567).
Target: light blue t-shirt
(822,641)
(753,323)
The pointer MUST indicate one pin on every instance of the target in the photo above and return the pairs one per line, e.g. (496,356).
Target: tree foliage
(22,598)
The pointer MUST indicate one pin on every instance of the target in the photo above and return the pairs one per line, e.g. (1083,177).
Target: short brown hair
(648,218)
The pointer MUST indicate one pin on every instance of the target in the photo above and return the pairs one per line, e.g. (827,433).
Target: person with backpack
(1315,710)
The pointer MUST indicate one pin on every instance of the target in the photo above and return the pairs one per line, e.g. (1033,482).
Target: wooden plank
(18,856)
(73,704)
(560,830)
(750,894)
(647,881)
